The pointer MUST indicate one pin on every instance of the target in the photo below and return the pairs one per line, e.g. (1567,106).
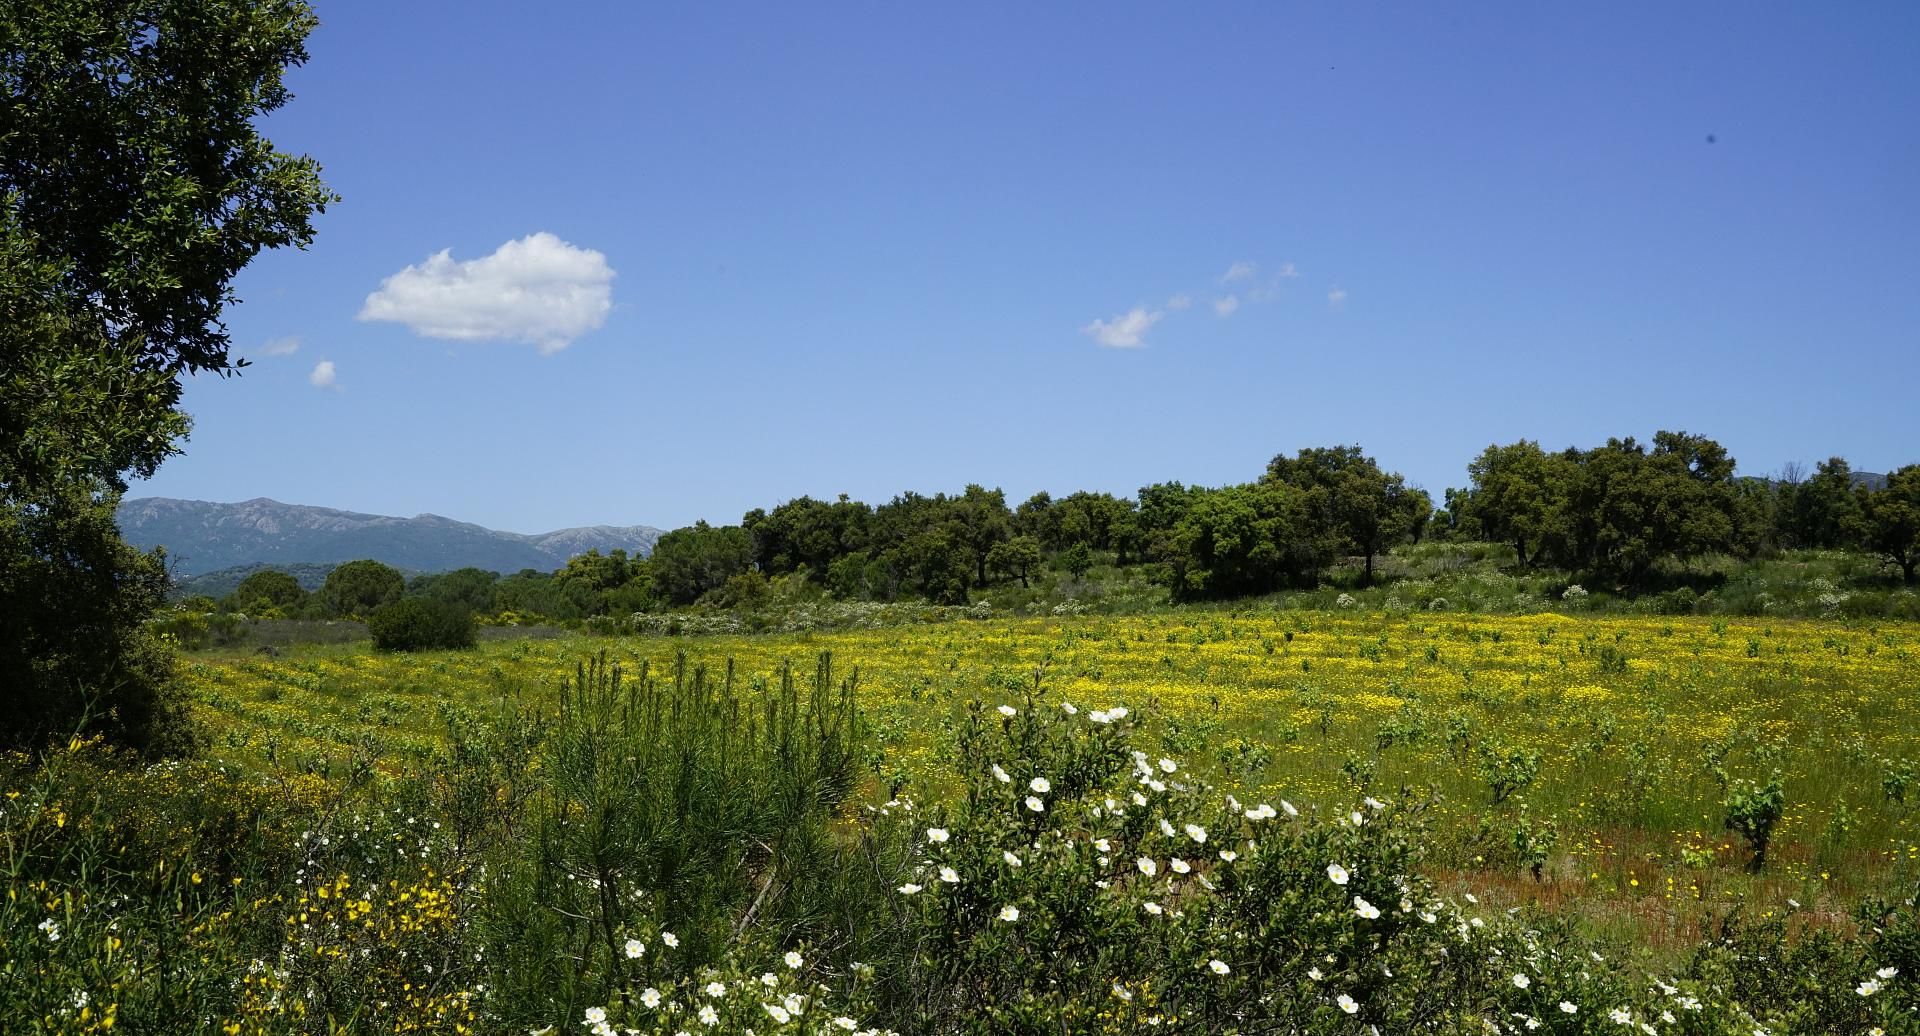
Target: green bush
(417,624)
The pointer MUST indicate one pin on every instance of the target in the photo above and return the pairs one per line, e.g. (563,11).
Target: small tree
(1889,520)
(1752,810)
(1077,559)
(266,590)
(361,588)
(1015,557)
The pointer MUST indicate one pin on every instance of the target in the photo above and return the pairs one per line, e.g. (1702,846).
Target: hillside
(203,537)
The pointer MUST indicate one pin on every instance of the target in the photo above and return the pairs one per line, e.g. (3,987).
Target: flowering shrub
(1078,883)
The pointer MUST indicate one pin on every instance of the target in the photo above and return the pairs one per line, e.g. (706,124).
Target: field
(1611,744)
(1263,821)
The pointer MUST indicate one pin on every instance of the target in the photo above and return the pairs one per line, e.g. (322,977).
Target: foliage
(1350,498)
(1752,810)
(1889,520)
(418,624)
(690,562)
(360,588)
(268,590)
(76,652)
(134,186)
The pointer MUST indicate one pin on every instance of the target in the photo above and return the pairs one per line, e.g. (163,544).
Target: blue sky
(869,248)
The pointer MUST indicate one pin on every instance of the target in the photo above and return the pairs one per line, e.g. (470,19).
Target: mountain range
(203,537)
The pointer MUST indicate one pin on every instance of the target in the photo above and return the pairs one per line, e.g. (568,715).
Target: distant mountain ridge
(202,537)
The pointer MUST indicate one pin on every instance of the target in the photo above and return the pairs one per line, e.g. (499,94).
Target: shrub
(417,624)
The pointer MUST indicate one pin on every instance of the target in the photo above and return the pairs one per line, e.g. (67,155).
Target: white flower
(1168,766)
(709,1016)
(1288,806)
(672,940)
(909,889)
(716,989)
(1007,710)
(1179,865)
(1197,833)
(949,875)
(1151,907)
(1868,988)
(1040,785)
(937,835)
(1886,973)
(846,1023)
(650,996)
(1166,827)
(595,1015)
(1348,1004)
(1620,1016)
(1001,775)
(1314,974)
(1365,909)
(1099,717)
(1219,966)
(1009,913)
(777,1013)
(1012,860)
(1103,845)
(793,959)
(51,928)
(1118,712)
(1121,992)
(1229,855)
(1156,786)
(635,948)
(1373,803)
(1034,803)
(1069,708)
(1357,818)
(1337,874)
(1147,866)
(1567,1007)
(1521,981)
(1139,799)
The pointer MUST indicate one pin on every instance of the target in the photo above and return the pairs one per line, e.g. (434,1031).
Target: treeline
(1614,514)
(1618,511)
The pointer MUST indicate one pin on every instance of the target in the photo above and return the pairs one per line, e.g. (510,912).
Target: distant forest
(1615,515)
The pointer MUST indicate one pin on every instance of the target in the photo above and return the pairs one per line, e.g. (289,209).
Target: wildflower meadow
(1263,821)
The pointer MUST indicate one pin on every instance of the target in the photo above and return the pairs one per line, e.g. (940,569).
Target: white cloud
(323,375)
(1226,306)
(538,291)
(1180,302)
(1286,271)
(1337,297)
(1240,271)
(280,346)
(1125,331)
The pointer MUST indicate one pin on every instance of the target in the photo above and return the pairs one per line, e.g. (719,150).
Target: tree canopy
(134,186)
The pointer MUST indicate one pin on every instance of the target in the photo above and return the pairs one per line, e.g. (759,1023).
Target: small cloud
(538,291)
(1337,297)
(1226,306)
(1180,302)
(286,346)
(1286,272)
(1125,331)
(323,375)
(1240,271)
